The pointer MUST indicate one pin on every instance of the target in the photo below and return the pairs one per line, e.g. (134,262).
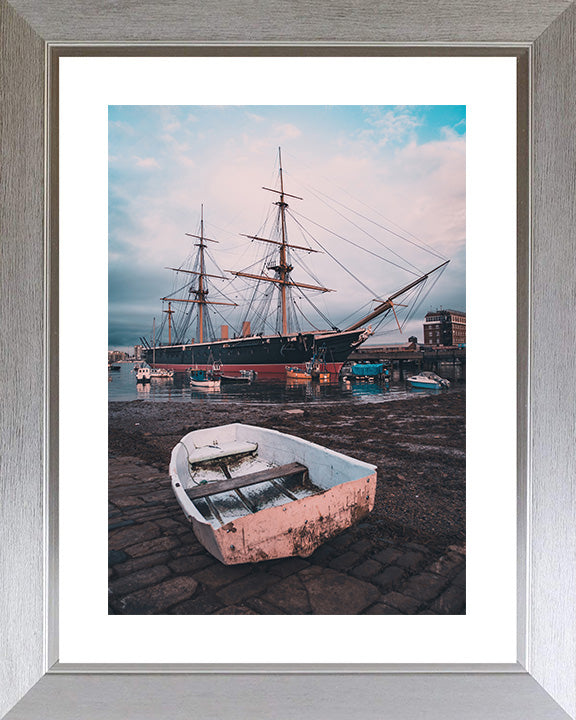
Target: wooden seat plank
(214,488)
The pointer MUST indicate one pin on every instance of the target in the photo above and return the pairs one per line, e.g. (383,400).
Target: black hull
(267,355)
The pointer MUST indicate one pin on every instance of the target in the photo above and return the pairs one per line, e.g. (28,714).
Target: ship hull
(268,356)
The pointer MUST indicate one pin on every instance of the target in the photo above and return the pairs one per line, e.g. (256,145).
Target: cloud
(176,146)
(148,162)
(255,117)
(123,126)
(387,126)
(172,126)
(287,132)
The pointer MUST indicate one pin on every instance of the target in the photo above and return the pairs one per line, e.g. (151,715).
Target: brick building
(445,327)
(116,356)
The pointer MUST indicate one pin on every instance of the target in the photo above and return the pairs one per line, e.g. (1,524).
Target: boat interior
(234,481)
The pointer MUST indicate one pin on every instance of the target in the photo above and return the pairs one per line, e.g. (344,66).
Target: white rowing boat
(255,494)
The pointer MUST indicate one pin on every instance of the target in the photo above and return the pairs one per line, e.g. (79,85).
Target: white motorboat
(142,373)
(428,380)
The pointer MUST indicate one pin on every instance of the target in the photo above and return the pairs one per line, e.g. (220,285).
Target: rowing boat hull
(296,527)
(424,384)
(297,374)
(208,384)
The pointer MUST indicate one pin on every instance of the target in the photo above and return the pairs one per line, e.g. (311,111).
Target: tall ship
(269,336)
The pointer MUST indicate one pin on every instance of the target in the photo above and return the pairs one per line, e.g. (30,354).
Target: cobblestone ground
(156,565)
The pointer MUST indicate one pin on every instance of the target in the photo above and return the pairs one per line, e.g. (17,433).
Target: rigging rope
(326,319)
(358,227)
(423,245)
(332,256)
(370,252)
(299,309)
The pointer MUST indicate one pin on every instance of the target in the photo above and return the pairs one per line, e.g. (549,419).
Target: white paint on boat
(161,373)
(218,449)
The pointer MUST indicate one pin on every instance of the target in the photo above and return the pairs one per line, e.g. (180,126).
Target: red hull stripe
(267,371)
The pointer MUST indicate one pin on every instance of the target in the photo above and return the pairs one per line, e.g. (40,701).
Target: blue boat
(428,381)
(368,369)
(202,378)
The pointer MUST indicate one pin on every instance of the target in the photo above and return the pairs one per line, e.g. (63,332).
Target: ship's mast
(201,293)
(169,312)
(202,290)
(283,268)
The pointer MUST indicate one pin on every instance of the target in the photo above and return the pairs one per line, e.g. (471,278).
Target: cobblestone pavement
(156,565)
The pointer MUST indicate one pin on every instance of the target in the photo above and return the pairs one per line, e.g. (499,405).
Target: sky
(383,200)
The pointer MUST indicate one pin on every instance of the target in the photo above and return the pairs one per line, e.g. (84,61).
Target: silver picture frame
(542,684)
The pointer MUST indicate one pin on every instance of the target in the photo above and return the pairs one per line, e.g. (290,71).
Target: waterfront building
(445,327)
(116,356)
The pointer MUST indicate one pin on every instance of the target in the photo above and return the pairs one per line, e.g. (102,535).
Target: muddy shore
(418,446)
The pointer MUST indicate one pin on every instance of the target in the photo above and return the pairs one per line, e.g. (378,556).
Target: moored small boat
(319,371)
(142,374)
(295,373)
(201,378)
(367,370)
(255,494)
(236,379)
(428,380)
(158,373)
(161,373)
